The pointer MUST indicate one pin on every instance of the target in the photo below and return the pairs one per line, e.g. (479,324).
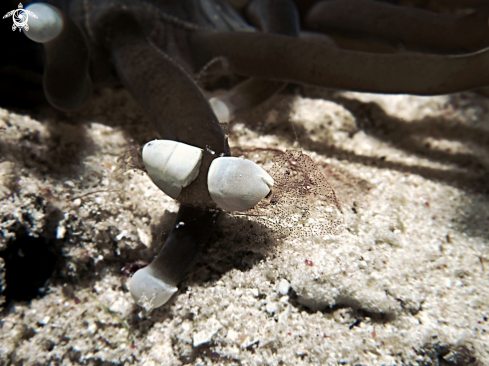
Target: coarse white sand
(406,282)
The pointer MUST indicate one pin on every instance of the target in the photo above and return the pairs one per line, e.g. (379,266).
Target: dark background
(21,64)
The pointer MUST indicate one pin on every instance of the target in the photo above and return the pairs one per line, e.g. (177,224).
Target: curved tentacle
(66,82)
(414,27)
(181,113)
(270,16)
(169,96)
(243,97)
(157,282)
(185,241)
(363,44)
(319,38)
(296,60)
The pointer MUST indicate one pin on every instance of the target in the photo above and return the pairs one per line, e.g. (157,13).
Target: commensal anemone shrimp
(159,49)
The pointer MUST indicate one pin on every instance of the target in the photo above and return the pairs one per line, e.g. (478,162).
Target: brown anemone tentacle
(349,43)
(295,60)
(364,44)
(188,236)
(66,82)
(244,97)
(319,38)
(415,28)
(269,16)
(169,96)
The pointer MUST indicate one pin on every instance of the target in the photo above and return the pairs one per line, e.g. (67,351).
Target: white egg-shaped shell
(237,184)
(171,165)
(48,24)
(149,291)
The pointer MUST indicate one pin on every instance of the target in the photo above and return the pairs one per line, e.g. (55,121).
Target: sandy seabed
(406,282)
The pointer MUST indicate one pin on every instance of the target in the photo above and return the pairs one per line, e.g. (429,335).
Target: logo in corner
(20,17)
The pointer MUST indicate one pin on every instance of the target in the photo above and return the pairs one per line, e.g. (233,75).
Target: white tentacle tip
(171,165)
(221,110)
(48,24)
(237,184)
(149,291)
